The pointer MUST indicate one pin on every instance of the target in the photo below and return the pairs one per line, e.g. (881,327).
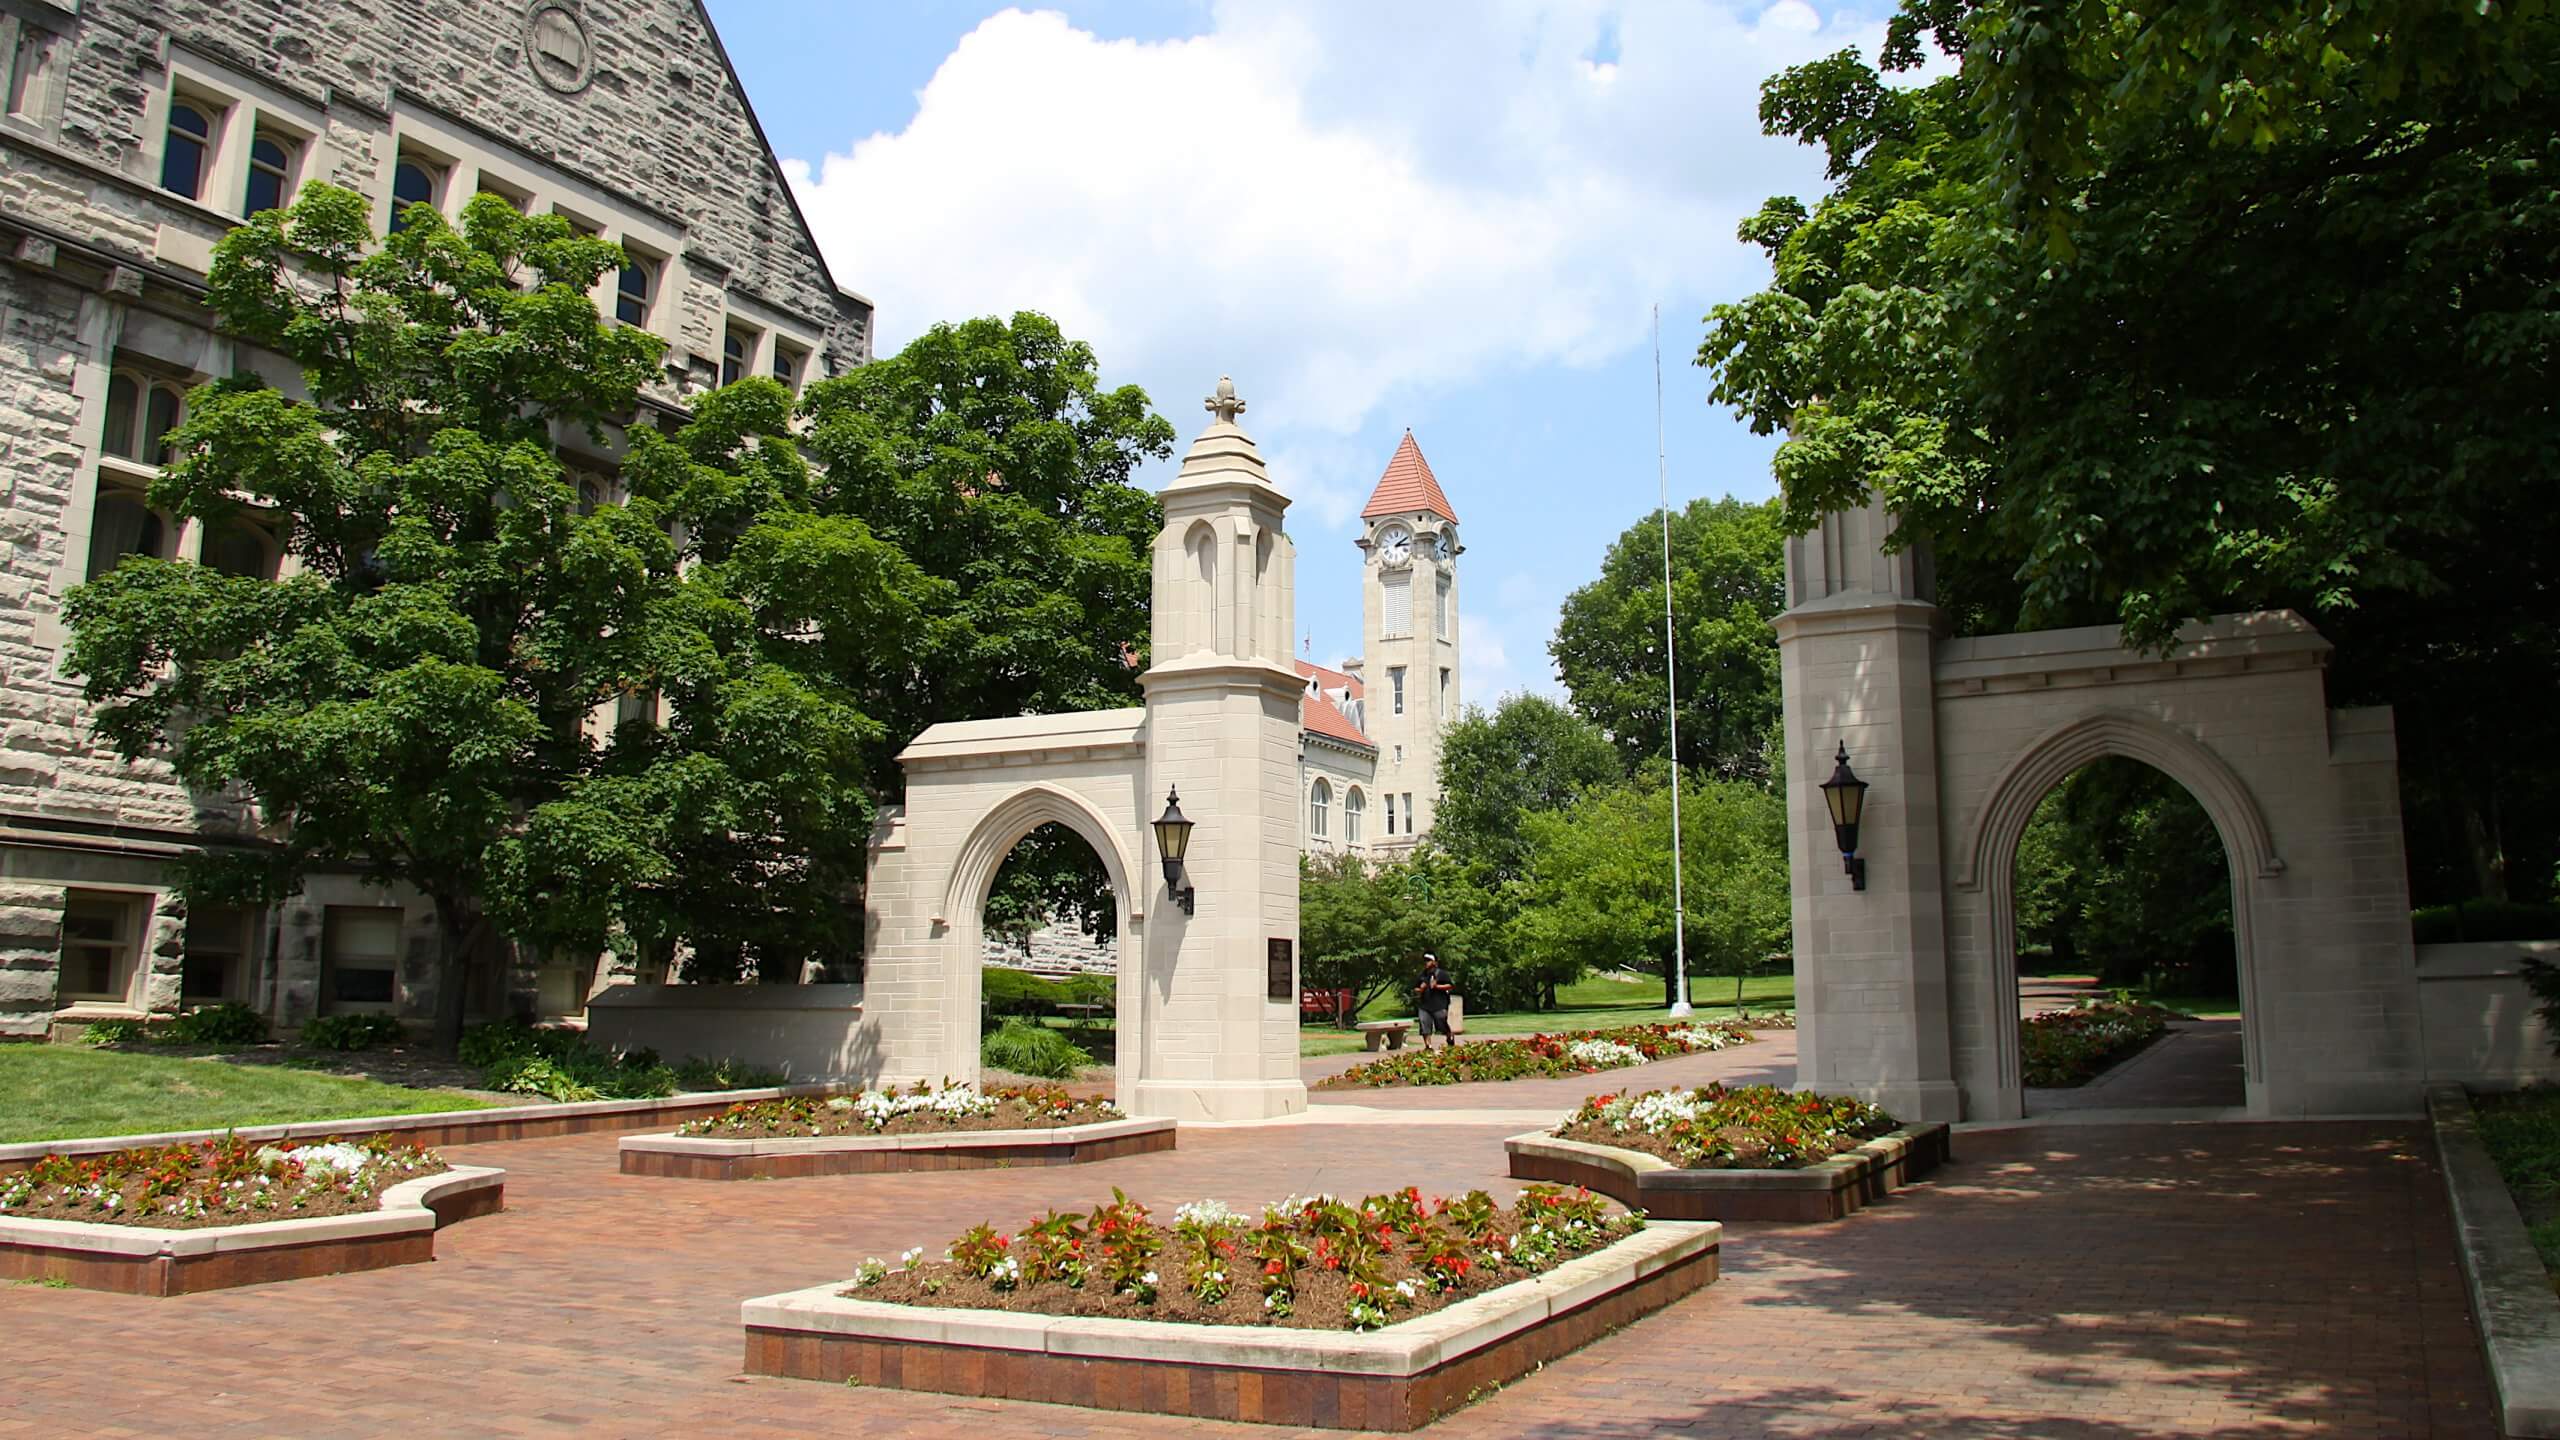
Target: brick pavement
(2090,1283)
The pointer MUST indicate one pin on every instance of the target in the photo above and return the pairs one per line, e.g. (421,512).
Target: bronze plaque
(1284,971)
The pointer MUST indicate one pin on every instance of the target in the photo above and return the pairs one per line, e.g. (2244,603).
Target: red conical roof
(1408,485)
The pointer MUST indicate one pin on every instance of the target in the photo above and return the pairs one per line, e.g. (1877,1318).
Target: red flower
(1271,1269)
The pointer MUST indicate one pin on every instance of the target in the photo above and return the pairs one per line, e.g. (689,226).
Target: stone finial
(1224,404)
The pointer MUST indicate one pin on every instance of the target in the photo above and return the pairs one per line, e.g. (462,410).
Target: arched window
(124,398)
(159,417)
(123,526)
(270,172)
(631,293)
(1353,806)
(733,357)
(189,140)
(241,547)
(413,182)
(1319,800)
(141,411)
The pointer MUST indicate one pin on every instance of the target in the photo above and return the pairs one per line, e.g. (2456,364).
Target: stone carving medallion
(556,45)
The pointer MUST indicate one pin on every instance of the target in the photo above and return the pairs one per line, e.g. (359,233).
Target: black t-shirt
(1434,989)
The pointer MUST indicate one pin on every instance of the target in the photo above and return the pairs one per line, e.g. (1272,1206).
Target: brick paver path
(2087,1283)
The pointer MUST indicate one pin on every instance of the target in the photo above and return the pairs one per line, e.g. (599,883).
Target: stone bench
(1384,1034)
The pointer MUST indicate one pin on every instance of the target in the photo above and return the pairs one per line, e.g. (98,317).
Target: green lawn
(2522,1131)
(1591,1003)
(58,1092)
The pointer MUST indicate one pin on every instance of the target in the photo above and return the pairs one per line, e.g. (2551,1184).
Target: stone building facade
(132,136)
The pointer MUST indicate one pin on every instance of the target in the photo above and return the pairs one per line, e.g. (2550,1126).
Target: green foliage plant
(1026,1047)
(1728,582)
(350,1032)
(115,1032)
(412,703)
(1994,324)
(227,1024)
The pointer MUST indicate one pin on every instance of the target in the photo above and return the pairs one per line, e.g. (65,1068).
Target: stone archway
(1984,875)
(973,876)
(1906,985)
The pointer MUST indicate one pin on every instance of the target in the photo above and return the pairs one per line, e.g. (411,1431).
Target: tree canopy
(417,701)
(580,721)
(2151,311)
(1728,575)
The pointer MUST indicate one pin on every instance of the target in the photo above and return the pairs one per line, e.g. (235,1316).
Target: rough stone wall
(30,952)
(659,119)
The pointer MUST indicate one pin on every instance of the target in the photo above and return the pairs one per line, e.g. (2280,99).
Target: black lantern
(1846,794)
(1173,841)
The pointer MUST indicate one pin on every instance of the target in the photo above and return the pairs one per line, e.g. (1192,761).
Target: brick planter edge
(144,1260)
(695,1157)
(1398,1378)
(1826,1191)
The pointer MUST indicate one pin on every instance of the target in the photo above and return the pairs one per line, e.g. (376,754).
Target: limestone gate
(1907,989)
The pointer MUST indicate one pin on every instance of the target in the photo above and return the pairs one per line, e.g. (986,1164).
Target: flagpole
(1671,687)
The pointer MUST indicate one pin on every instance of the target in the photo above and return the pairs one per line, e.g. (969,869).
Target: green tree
(1599,890)
(2150,312)
(991,455)
(1360,926)
(1728,574)
(1528,754)
(415,702)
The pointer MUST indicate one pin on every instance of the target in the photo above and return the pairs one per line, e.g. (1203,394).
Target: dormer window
(189,144)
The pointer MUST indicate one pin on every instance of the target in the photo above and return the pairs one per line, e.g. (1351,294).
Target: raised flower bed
(1540,1057)
(2062,1048)
(175,1219)
(1379,1314)
(1751,1152)
(957,1127)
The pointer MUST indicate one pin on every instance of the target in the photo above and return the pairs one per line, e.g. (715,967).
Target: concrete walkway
(2084,1283)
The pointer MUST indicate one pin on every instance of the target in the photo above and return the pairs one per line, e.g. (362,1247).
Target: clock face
(1395,545)
(1445,544)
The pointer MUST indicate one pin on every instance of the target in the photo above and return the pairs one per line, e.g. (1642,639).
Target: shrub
(485,1045)
(2475,920)
(351,1032)
(114,1032)
(724,1075)
(1018,992)
(218,1025)
(1025,1048)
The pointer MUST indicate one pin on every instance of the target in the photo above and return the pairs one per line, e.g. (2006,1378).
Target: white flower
(839,1102)
(1148,1279)
(1604,1054)
(1204,1212)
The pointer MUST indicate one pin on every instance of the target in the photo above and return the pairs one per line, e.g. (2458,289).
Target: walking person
(1431,1002)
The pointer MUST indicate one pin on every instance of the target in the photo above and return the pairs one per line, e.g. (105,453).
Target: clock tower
(1409,635)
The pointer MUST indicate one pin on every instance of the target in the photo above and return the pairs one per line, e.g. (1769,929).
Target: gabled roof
(1408,485)
(1318,714)
(1332,679)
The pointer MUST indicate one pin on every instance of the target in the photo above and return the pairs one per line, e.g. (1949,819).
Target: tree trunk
(2483,842)
(1737,994)
(456,928)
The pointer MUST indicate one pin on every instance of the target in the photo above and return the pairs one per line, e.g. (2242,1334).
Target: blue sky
(1454,218)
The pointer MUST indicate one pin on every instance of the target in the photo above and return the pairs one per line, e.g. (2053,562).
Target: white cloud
(1336,202)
